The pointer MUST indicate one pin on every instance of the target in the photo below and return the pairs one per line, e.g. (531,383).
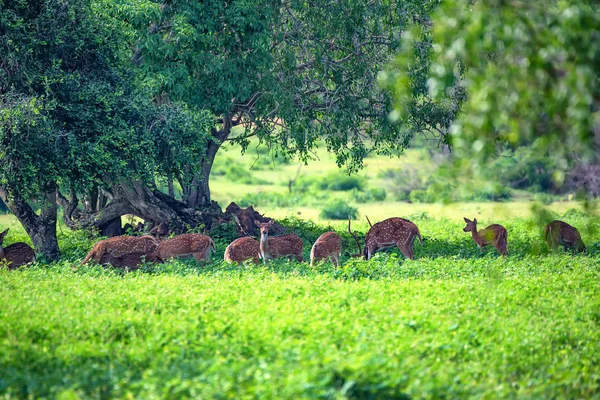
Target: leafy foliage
(338,209)
(292,73)
(530,71)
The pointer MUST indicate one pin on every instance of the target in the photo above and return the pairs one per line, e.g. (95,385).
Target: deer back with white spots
(389,233)
(328,245)
(494,234)
(188,244)
(109,251)
(242,249)
(559,233)
(280,246)
(16,254)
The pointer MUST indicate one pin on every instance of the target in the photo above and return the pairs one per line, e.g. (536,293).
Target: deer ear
(256,223)
(271,222)
(475,220)
(466,220)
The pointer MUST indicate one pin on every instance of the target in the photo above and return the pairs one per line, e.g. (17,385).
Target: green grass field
(453,323)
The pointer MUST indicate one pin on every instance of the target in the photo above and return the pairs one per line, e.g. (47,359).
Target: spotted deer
(117,247)
(188,244)
(559,233)
(328,245)
(243,249)
(494,234)
(16,254)
(129,260)
(279,246)
(392,232)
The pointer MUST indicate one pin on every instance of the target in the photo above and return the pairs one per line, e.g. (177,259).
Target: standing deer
(559,233)
(280,246)
(16,254)
(242,249)
(189,244)
(494,234)
(328,245)
(119,246)
(392,232)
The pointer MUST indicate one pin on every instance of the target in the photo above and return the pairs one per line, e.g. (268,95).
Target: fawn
(280,246)
(494,234)
(392,232)
(16,254)
(242,249)
(119,246)
(328,245)
(559,233)
(188,244)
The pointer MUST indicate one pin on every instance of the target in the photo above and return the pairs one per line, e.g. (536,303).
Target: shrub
(338,209)
(377,194)
(544,198)
(334,181)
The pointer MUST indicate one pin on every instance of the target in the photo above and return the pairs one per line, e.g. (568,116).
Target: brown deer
(280,246)
(117,247)
(130,260)
(242,249)
(392,232)
(559,233)
(494,234)
(328,245)
(189,244)
(16,254)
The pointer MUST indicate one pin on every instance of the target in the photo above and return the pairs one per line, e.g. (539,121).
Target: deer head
(471,225)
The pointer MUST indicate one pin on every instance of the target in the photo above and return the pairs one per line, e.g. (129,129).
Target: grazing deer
(130,260)
(494,234)
(559,233)
(189,244)
(16,254)
(328,245)
(242,249)
(119,246)
(392,232)
(280,246)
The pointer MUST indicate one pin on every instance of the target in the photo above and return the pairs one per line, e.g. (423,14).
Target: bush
(338,209)
(369,196)
(334,181)
(306,198)
(544,198)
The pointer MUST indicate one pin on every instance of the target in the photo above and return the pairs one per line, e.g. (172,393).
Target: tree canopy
(530,70)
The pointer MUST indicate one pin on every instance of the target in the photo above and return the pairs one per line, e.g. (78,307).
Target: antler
(355,238)
(369,221)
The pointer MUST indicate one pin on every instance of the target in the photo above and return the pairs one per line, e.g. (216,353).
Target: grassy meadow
(454,323)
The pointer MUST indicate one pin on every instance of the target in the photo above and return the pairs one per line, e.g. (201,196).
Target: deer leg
(406,249)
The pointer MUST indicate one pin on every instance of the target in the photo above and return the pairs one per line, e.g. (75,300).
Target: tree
(290,73)
(530,71)
(72,116)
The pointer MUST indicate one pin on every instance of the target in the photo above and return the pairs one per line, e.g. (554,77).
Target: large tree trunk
(40,228)
(198,193)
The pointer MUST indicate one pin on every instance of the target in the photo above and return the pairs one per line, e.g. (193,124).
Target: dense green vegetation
(453,323)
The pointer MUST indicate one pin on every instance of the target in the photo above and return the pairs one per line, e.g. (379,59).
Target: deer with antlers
(243,249)
(389,233)
(494,234)
(16,254)
(328,245)
(279,246)
(559,233)
(113,250)
(188,244)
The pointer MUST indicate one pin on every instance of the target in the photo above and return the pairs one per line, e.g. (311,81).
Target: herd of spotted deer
(131,251)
